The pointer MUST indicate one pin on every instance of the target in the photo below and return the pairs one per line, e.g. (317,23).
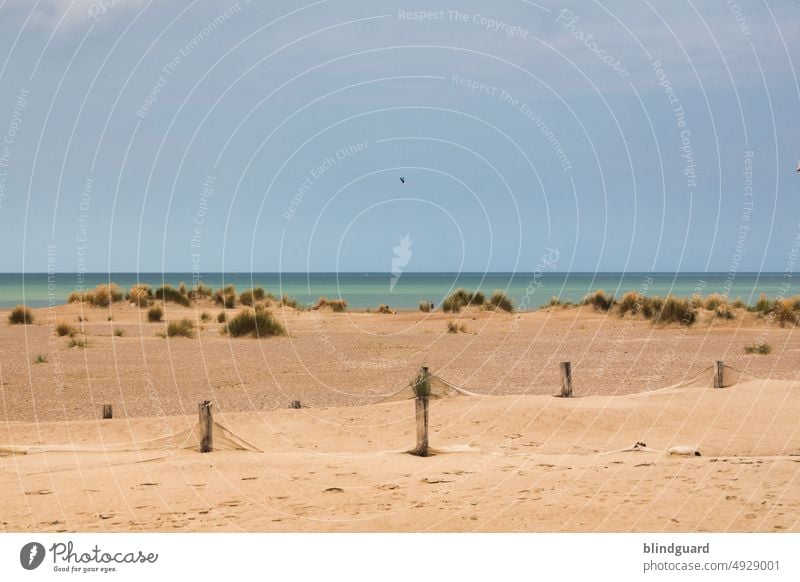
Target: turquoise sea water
(363,290)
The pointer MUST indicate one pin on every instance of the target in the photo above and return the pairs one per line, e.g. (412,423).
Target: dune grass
(337,305)
(65,329)
(226,297)
(141,295)
(425,306)
(758,348)
(287,301)
(168,293)
(599,300)
(257,323)
(182,328)
(499,300)
(78,342)
(155,314)
(20,315)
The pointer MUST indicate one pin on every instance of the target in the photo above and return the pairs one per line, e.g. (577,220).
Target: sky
(212,136)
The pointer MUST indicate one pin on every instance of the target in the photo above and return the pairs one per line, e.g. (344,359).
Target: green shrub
(758,348)
(167,293)
(204,316)
(63,328)
(182,328)
(478,298)
(41,359)
(20,315)
(221,317)
(500,300)
(155,314)
(258,323)
(599,300)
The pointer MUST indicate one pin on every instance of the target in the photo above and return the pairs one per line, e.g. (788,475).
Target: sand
(515,459)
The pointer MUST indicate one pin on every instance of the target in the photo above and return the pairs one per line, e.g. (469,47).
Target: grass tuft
(182,328)
(258,323)
(337,305)
(758,348)
(599,300)
(155,314)
(20,315)
(168,293)
(63,328)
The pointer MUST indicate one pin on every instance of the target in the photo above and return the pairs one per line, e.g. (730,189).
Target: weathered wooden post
(719,367)
(566,380)
(422,391)
(107,412)
(206,427)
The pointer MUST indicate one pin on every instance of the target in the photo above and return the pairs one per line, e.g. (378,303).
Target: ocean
(368,290)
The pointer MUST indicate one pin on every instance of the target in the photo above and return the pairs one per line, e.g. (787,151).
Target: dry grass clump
(758,348)
(141,295)
(63,328)
(168,293)
(200,291)
(226,297)
(599,300)
(454,327)
(763,305)
(337,305)
(724,311)
(499,300)
(155,314)
(287,301)
(78,342)
(205,316)
(20,315)
(457,301)
(251,296)
(425,306)
(221,317)
(739,304)
(674,310)
(715,300)
(40,359)
(101,296)
(182,328)
(383,308)
(258,323)
(787,311)
(633,302)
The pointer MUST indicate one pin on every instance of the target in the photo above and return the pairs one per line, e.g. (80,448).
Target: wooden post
(206,427)
(719,367)
(421,404)
(566,380)
(107,411)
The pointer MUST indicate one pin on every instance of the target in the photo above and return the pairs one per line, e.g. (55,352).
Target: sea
(527,291)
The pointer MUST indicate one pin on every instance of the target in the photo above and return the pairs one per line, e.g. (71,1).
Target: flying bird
(403,180)
(798,167)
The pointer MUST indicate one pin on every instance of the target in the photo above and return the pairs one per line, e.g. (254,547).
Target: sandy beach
(513,458)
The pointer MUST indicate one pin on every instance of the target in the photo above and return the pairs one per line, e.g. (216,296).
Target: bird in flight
(403,180)
(798,167)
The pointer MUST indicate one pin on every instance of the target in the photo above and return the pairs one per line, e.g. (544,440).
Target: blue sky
(266,136)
